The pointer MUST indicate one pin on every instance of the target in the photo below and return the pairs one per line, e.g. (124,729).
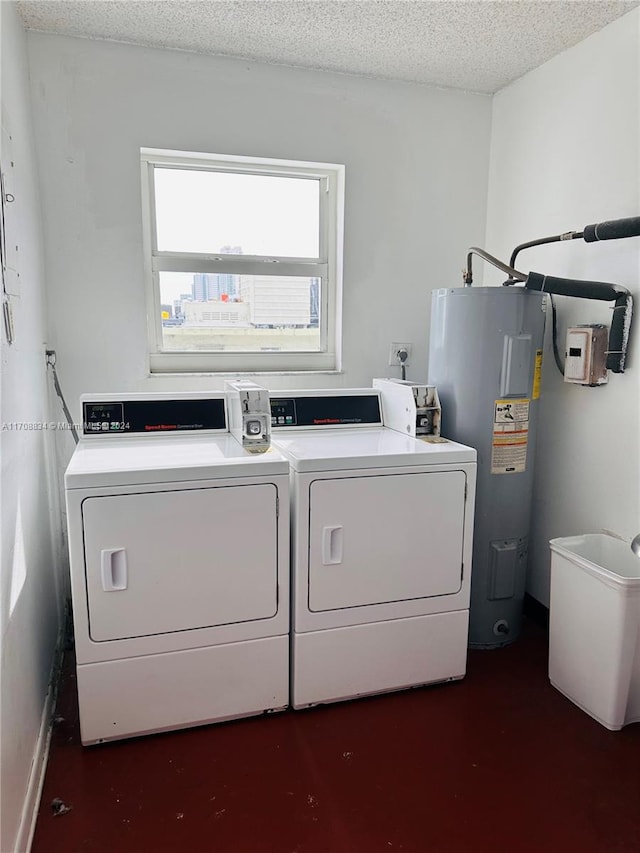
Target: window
(244,259)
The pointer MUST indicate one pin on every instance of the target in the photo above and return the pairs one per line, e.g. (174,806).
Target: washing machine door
(387,538)
(160,562)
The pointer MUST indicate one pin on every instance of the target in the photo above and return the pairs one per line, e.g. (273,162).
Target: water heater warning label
(510,436)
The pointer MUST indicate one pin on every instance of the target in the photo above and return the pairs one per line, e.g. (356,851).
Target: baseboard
(31,804)
(536,611)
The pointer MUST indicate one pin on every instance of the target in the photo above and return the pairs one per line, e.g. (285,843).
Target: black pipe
(619,332)
(568,235)
(601,290)
(613,229)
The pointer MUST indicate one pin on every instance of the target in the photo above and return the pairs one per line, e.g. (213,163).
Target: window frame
(327,267)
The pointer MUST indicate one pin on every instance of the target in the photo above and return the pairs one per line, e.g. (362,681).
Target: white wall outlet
(395,347)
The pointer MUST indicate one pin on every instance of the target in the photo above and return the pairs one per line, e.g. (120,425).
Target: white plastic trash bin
(594,626)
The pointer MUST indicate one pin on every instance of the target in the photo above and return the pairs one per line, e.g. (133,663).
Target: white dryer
(381,548)
(179,547)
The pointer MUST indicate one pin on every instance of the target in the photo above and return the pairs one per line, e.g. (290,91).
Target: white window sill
(240,374)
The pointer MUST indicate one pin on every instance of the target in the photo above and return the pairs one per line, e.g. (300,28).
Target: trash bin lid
(603,556)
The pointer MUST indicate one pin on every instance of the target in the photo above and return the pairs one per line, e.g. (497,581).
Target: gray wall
(30,596)
(416,176)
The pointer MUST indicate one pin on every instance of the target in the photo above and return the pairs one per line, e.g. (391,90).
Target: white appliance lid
(334,450)
(166,459)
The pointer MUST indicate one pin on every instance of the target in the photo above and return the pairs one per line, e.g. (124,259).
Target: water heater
(485,358)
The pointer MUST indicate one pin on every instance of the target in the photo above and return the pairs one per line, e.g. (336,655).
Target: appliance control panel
(108,416)
(307,410)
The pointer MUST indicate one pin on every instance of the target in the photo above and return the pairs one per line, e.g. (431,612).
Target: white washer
(381,548)
(179,547)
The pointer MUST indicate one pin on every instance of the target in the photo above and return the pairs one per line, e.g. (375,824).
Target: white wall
(416,175)
(564,154)
(30,600)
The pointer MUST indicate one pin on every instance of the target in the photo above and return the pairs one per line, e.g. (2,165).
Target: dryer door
(385,538)
(159,562)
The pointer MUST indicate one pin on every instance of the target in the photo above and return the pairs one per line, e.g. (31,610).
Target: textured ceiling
(477,45)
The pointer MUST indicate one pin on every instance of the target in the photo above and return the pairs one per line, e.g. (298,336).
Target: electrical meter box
(586,355)
(409,408)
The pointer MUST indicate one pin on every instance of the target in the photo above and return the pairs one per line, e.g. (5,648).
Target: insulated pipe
(600,290)
(612,229)
(621,322)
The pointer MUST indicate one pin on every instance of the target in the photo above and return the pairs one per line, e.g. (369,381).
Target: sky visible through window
(205,211)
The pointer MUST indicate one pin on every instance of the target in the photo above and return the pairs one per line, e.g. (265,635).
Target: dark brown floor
(498,762)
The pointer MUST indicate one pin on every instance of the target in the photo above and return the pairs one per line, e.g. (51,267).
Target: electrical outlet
(394,361)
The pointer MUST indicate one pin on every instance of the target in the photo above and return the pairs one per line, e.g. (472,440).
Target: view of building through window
(227,311)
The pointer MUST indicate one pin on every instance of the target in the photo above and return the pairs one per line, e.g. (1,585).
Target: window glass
(244,262)
(218,212)
(226,312)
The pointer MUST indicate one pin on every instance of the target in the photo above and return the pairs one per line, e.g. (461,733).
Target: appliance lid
(334,450)
(124,461)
